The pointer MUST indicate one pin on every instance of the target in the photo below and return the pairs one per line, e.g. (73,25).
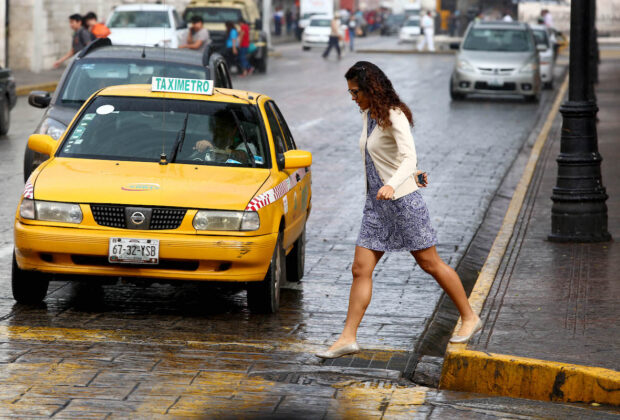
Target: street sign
(171,84)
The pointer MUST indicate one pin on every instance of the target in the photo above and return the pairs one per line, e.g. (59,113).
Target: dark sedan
(102,64)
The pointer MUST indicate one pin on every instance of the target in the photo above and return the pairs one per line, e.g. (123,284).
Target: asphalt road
(190,349)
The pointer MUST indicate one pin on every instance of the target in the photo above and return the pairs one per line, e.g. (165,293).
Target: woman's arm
(406,149)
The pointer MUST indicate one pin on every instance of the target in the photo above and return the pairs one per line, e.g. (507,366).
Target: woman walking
(395,215)
(232,46)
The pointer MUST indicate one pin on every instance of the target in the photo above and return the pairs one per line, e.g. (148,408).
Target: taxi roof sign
(171,84)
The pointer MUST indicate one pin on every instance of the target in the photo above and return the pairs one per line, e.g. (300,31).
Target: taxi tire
(296,259)
(264,296)
(29,287)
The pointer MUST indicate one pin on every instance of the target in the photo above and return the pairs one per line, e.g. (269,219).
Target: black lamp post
(579,212)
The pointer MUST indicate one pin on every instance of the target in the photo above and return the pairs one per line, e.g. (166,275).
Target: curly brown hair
(373,82)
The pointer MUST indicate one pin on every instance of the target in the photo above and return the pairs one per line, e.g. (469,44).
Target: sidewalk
(550,310)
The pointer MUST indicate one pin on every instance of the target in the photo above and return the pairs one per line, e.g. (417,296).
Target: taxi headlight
(52,128)
(463,65)
(226,220)
(50,211)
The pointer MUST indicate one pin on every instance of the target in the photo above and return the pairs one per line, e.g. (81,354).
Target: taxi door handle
(297,177)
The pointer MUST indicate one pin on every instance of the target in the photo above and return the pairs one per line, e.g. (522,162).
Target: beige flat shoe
(340,351)
(466,338)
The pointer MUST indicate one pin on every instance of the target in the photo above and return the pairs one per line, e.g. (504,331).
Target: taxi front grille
(117,216)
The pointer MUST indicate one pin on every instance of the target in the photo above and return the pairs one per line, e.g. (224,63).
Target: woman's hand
(203,145)
(425,184)
(385,193)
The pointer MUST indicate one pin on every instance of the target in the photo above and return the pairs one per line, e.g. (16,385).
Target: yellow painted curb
(522,377)
(26,89)
(513,376)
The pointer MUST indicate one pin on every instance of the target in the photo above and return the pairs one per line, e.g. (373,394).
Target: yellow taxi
(176,180)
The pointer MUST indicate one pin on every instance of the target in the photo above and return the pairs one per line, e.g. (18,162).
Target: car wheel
(456,96)
(296,259)
(5,117)
(29,287)
(532,98)
(264,296)
(548,85)
(305,48)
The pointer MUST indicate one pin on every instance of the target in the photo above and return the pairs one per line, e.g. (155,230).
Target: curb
(26,89)
(514,376)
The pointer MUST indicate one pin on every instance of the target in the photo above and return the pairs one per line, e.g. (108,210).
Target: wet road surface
(139,351)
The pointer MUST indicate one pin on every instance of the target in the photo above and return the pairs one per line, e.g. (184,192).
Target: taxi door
(298,200)
(283,175)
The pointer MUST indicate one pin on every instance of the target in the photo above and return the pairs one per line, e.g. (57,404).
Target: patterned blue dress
(393,225)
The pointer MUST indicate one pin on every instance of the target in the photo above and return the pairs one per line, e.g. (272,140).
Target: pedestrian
(288,21)
(395,216)
(278,16)
(334,38)
(98,29)
(232,39)
(507,17)
(244,45)
(428,29)
(547,18)
(80,38)
(197,35)
(352,28)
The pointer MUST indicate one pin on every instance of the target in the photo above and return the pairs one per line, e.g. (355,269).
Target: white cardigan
(393,152)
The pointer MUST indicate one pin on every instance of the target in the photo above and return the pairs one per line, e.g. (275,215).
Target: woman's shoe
(465,338)
(340,351)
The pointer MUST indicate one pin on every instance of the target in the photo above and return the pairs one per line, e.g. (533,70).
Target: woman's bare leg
(364,264)
(431,262)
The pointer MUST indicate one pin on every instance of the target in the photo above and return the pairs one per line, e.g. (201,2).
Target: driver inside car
(227,141)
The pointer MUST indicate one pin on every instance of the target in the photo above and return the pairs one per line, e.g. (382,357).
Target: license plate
(134,251)
(496,82)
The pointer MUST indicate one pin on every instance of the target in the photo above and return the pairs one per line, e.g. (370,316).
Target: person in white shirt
(507,17)
(428,26)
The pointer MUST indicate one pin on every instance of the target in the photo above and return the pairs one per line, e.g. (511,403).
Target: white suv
(151,25)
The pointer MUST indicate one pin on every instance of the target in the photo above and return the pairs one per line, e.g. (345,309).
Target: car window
(278,138)
(541,37)
(413,22)
(139,19)
(288,137)
(141,129)
(321,22)
(506,40)
(87,77)
(213,14)
(178,22)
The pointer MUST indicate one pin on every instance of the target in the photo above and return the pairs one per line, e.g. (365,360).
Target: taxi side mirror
(294,159)
(41,143)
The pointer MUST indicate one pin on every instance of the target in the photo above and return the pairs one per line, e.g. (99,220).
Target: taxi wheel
(264,296)
(296,259)
(29,287)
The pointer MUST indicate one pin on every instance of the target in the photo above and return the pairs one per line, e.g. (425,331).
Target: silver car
(544,36)
(497,58)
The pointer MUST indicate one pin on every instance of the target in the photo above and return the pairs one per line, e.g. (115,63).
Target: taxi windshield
(142,129)
(89,76)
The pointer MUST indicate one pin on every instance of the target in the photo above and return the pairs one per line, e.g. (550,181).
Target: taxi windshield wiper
(244,137)
(178,142)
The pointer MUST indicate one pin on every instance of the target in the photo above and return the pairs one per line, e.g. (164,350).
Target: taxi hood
(148,184)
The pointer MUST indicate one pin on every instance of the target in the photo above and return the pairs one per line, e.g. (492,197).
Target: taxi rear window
(142,129)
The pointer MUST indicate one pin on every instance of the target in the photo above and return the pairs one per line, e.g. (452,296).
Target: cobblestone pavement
(123,350)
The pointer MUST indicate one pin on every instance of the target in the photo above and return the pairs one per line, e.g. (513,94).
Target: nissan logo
(137,218)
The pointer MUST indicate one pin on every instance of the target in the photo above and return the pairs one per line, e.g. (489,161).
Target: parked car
(194,184)
(102,64)
(152,25)
(317,33)
(8,99)
(392,24)
(411,30)
(497,58)
(544,37)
